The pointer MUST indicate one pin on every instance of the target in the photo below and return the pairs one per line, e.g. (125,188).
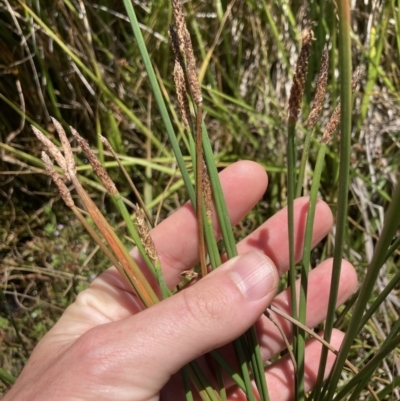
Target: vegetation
(81,63)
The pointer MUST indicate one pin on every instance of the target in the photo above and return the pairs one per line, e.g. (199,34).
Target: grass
(79,64)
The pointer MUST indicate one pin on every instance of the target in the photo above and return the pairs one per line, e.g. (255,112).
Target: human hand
(105,347)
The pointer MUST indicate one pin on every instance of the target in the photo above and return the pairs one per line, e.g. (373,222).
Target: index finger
(243,184)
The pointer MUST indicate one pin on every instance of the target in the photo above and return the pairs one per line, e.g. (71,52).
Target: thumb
(154,344)
(215,311)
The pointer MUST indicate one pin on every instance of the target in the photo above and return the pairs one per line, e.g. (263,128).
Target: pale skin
(105,347)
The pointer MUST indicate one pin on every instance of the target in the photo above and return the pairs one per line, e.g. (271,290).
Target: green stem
(380,298)
(95,79)
(306,262)
(205,390)
(364,375)
(6,377)
(242,361)
(186,385)
(159,98)
(291,161)
(228,368)
(303,163)
(136,277)
(230,247)
(133,232)
(391,225)
(219,199)
(344,178)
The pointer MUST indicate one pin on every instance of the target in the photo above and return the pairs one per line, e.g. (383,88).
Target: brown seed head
(107,144)
(64,192)
(69,157)
(52,149)
(179,78)
(145,237)
(180,22)
(185,45)
(180,85)
(321,90)
(332,125)
(94,161)
(296,92)
(192,71)
(334,121)
(173,36)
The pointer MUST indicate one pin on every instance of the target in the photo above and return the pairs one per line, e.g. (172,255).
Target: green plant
(189,135)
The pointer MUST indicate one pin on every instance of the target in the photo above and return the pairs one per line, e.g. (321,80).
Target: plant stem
(199,191)
(306,258)
(291,161)
(6,377)
(303,163)
(159,99)
(344,178)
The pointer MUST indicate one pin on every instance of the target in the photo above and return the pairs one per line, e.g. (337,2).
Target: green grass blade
(377,41)
(95,78)
(276,34)
(242,362)
(186,385)
(307,258)
(303,163)
(6,377)
(222,212)
(230,247)
(228,368)
(155,269)
(363,376)
(344,176)
(391,225)
(206,391)
(291,184)
(380,298)
(159,99)
(385,392)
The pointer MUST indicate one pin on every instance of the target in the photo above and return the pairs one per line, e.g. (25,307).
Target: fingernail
(254,274)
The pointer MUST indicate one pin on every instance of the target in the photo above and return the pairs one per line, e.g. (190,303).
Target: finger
(280,375)
(176,237)
(270,338)
(271,341)
(164,338)
(243,183)
(271,238)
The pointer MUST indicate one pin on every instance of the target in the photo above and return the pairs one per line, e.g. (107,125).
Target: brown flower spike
(321,90)
(62,188)
(94,161)
(334,121)
(145,237)
(297,90)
